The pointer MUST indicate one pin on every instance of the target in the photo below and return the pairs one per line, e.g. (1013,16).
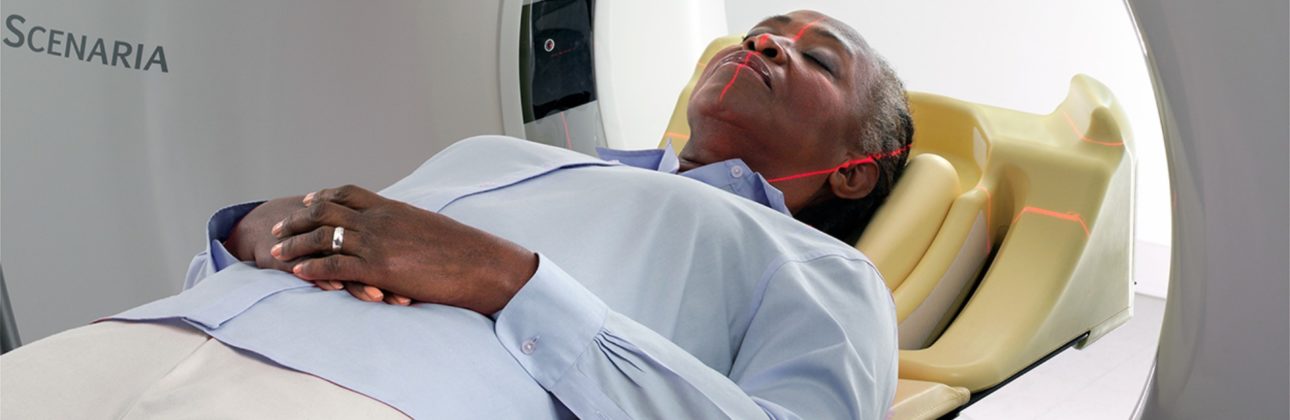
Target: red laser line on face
(849,163)
(761,40)
(735,76)
(1072,216)
(1084,138)
(802,31)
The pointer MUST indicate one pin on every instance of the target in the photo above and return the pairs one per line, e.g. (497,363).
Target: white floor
(1102,381)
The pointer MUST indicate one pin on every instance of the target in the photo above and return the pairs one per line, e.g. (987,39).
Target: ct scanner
(103,132)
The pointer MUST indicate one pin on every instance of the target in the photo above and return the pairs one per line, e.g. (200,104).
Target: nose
(769,46)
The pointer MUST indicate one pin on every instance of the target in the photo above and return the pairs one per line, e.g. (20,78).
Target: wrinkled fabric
(731,175)
(656,296)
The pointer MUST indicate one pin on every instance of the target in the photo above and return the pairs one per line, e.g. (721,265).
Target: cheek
(815,105)
(819,98)
(812,117)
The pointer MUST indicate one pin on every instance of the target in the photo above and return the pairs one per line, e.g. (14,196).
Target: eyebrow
(828,34)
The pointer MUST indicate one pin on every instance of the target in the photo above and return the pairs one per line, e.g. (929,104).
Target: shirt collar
(731,175)
(662,160)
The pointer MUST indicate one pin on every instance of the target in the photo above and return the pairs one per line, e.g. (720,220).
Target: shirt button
(737,171)
(529,346)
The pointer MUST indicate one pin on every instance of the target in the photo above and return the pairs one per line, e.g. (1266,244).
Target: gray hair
(885,127)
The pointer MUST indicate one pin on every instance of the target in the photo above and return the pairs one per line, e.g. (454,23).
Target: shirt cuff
(217,230)
(550,323)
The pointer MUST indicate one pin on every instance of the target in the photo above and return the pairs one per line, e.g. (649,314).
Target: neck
(713,141)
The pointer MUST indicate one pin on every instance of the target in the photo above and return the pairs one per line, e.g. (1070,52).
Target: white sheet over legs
(142,370)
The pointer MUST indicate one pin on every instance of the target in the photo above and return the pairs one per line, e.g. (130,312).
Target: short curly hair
(885,127)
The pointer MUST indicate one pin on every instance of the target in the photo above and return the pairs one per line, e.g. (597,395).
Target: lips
(758,65)
(752,61)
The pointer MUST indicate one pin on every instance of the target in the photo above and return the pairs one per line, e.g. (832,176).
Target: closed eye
(814,59)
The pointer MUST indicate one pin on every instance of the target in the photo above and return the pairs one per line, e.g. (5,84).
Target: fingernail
(403,300)
(373,293)
(335,285)
(276,251)
(277,229)
(309,199)
(298,268)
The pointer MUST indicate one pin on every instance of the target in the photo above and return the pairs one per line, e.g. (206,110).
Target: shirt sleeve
(216,257)
(821,344)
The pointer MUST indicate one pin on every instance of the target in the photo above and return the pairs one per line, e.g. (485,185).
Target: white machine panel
(643,54)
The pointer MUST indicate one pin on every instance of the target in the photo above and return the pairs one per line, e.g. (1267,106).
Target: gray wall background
(109,174)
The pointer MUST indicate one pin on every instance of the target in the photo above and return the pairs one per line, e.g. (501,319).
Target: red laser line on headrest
(1069,216)
(849,163)
(1070,122)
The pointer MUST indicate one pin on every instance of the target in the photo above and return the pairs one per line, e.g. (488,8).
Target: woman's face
(786,100)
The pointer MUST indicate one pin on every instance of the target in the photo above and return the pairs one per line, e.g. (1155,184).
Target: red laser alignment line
(1084,138)
(848,163)
(568,141)
(1072,216)
(760,41)
(735,76)
(675,135)
(802,31)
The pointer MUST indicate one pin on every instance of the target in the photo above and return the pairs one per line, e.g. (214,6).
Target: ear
(854,182)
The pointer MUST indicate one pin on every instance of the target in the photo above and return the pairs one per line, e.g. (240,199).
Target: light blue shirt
(732,175)
(656,296)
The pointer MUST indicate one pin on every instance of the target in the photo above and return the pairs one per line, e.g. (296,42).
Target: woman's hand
(252,240)
(403,249)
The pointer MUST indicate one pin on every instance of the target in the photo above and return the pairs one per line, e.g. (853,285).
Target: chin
(708,109)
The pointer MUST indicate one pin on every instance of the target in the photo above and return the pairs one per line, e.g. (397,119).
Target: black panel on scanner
(556,66)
